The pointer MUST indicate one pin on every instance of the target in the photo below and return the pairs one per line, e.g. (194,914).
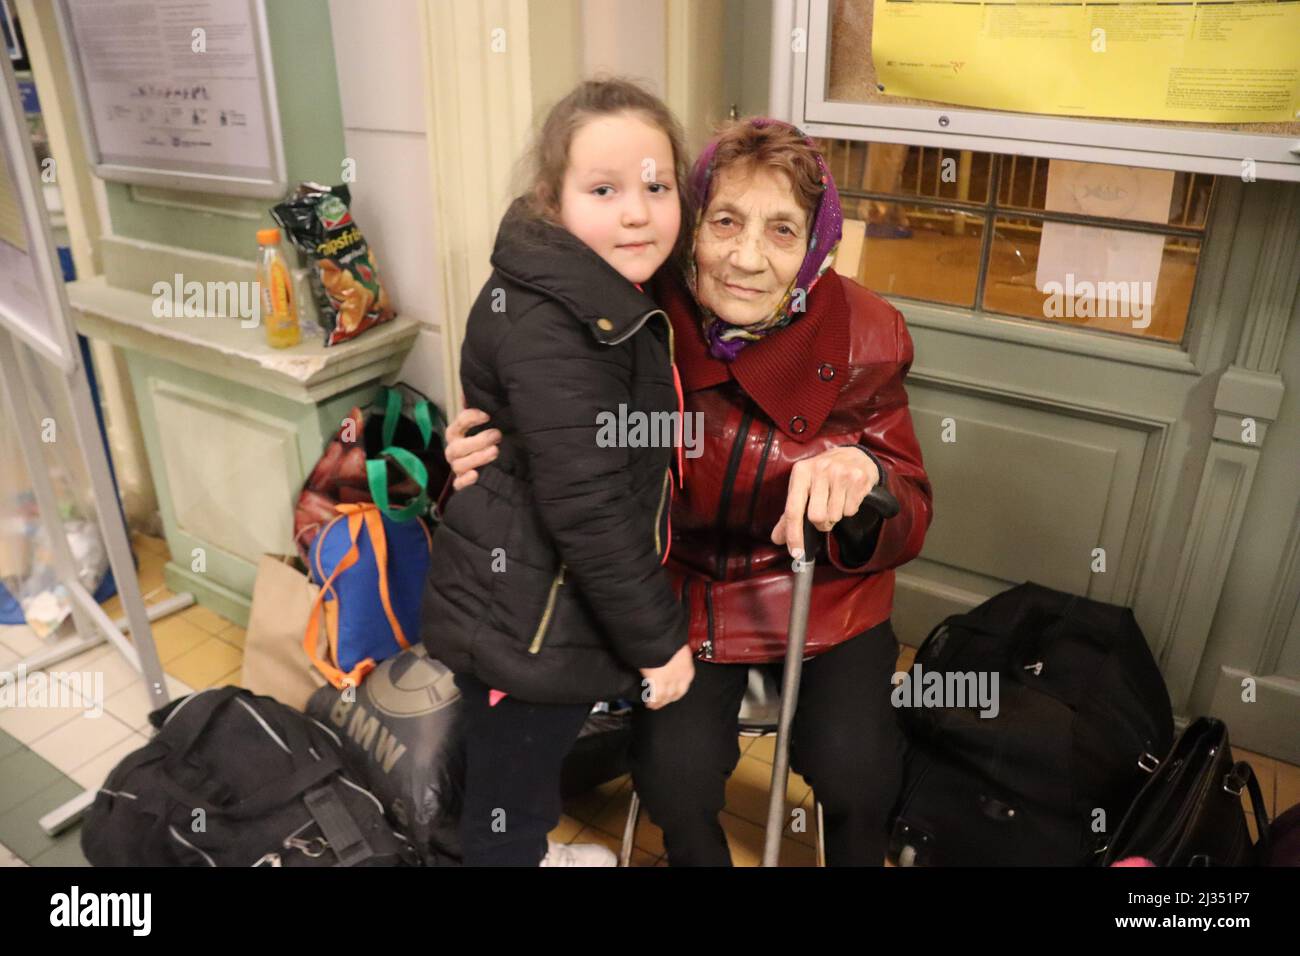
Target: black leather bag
(236,779)
(1189,813)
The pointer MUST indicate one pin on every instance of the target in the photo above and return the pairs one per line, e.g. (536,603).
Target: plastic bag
(343,269)
(27,568)
(402,738)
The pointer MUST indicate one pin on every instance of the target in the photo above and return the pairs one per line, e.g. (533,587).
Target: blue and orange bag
(371,570)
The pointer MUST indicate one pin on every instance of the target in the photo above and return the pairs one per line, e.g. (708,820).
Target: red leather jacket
(833,377)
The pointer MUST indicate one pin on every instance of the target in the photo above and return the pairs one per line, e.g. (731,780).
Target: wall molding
(231,207)
(1037,334)
(1242,394)
(479,112)
(136,264)
(1093,411)
(1210,316)
(1271,722)
(1275,283)
(1283,604)
(1250,386)
(1221,500)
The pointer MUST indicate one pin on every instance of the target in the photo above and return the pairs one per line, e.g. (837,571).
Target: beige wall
(483,105)
(379,54)
(555,51)
(626,38)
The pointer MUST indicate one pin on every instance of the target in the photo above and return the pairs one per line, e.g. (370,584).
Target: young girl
(547,591)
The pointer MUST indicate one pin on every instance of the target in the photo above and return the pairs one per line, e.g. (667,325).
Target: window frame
(1205,326)
(804,102)
(989,211)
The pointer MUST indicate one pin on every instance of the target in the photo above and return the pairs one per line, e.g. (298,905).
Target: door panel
(1003,483)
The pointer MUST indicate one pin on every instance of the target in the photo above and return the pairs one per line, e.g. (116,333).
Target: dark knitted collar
(794,374)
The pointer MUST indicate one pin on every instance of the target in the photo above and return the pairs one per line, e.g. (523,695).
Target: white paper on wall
(1079,257)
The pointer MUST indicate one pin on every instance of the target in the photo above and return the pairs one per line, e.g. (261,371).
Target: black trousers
(847,741)
(513,752)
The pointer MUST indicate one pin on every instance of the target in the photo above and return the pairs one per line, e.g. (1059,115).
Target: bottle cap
(268,237)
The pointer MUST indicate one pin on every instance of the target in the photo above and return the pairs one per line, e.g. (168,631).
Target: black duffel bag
(1082,717)
(236,779)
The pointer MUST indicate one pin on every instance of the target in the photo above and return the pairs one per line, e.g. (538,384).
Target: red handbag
(355,466)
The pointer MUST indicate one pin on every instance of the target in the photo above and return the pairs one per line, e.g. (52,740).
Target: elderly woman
(798,376)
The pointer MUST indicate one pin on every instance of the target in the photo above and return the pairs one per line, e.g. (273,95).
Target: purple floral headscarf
(726,340)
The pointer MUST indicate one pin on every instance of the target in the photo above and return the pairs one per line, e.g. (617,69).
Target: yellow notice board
(1221,62)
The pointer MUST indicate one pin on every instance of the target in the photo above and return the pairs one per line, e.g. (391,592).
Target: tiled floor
(49,755)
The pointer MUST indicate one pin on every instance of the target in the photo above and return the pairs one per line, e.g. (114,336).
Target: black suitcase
(1083,714)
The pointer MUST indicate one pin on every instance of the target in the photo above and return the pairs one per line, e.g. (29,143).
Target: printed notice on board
(1229,61)
(174,81)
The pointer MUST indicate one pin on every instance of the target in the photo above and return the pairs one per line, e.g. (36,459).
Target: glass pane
(926,244)
(898,170)
(1158,196)
(918,251)
(1114,280)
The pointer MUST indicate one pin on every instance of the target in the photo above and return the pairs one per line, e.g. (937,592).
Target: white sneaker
(578,854)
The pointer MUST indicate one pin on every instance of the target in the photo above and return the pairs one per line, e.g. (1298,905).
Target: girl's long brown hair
(547,159)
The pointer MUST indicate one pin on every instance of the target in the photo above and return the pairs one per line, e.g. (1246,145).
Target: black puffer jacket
(547,579)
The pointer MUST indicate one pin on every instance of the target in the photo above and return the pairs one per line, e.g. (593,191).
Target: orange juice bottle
(279,312)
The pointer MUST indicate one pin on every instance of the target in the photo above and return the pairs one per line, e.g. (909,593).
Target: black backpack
(1083,718)
(236,779)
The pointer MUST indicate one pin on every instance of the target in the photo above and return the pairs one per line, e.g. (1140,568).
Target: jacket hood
(551,260)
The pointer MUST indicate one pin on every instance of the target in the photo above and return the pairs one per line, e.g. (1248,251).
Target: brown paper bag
(274,661)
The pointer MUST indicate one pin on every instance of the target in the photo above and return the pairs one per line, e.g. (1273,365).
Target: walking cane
(887,506)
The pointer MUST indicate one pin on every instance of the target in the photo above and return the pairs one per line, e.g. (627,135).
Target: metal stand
(36,318)
(92,624)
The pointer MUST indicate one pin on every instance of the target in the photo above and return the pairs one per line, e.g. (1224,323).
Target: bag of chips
(344,274)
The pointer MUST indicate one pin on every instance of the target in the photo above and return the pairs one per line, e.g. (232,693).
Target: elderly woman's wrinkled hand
(829,486)
(466,454)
